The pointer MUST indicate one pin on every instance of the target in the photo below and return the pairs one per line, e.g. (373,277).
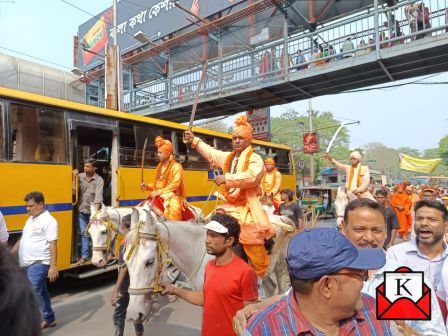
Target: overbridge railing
(371,31)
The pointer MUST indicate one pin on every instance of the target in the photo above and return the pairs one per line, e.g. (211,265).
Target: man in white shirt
(38,252)
(428,251)
(3,230)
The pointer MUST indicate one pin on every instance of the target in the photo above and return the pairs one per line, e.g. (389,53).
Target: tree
(215,125)
(443,150)
(287,130)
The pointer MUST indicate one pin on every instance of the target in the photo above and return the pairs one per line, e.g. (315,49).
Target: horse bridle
(162,259)
(110,226)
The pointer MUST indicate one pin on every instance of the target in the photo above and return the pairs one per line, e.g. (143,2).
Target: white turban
(357,155)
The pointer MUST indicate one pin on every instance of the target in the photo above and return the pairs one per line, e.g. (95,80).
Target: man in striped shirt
(327,274)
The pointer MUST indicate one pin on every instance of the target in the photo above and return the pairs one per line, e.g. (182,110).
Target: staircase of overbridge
(333,59)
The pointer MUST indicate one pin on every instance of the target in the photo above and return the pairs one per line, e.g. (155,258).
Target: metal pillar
(310,120)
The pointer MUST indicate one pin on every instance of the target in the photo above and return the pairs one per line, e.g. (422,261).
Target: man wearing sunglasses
(327,274)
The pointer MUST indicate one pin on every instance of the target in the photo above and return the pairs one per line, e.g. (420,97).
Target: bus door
(92,137)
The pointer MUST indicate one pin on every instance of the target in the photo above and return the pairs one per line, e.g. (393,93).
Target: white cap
(217,227)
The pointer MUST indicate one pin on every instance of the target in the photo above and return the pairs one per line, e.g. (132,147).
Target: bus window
(38,134)
(224,144)
(281,157)
(190,157)
(261,150)
(132,139)
(2,135)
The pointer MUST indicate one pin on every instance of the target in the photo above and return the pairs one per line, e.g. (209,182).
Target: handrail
(117,198)
(76,190)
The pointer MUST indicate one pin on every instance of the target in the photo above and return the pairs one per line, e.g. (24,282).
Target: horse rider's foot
(46,324)
(82,261)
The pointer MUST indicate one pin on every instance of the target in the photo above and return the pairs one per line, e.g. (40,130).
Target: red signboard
(259,119)
(310,143)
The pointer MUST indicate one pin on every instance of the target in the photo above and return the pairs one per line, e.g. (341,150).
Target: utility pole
(310,120)
(112,68)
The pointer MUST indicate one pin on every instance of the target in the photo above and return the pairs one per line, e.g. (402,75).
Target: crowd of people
(416,16)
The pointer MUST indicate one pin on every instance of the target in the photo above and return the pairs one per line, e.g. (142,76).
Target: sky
(410,116)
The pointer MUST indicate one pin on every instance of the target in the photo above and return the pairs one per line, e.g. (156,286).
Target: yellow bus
(43,139)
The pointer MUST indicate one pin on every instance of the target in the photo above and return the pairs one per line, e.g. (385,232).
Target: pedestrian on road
(392,224)
(38,252)
(229,283)
(120,294)
(3,230)
(90,190)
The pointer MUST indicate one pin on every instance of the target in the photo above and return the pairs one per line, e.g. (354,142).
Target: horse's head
(102,231)
(142,262)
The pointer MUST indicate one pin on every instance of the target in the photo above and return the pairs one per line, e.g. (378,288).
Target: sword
(196,99)
(143,160)
(334,137)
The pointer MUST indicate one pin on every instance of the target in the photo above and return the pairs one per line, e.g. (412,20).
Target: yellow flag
(417,164)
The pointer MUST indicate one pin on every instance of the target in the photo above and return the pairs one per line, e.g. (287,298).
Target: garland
(358,179)
(165,173)
(241,198)
(266,189)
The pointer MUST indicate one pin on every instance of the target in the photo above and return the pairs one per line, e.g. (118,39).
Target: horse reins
(162,258)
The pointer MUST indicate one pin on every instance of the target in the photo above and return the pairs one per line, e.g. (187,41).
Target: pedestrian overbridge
(351,53)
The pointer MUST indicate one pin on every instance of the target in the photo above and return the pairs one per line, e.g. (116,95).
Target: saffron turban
(269,161)
(357,155)
(243,128)
(164,145)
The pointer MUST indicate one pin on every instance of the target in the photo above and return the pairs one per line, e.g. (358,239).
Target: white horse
(340,203)
(103,228)
(143,262)
(185,243)
(285,230)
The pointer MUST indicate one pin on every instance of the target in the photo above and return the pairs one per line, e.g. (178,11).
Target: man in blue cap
(327,274)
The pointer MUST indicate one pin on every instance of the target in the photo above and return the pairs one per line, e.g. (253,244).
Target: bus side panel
(288,182)
(55,182)
(197,187)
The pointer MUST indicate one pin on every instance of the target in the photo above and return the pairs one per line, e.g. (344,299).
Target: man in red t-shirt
(229,283)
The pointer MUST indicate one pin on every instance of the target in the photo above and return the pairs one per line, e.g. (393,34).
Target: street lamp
(143,38)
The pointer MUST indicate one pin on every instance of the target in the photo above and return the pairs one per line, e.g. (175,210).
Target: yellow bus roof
(44,100)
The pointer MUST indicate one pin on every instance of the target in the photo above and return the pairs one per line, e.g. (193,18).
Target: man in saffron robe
(169,181)
(240,183)
(402,205)
(271,182)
